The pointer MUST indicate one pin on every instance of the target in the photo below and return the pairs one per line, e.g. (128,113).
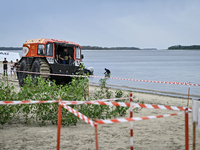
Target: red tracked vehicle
(40,55)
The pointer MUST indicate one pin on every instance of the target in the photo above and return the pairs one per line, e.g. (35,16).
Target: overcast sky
(107,23)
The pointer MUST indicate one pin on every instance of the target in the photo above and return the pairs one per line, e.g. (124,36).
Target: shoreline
(148,91)
(127,88)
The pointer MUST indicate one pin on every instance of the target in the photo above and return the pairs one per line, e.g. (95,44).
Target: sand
(155,134)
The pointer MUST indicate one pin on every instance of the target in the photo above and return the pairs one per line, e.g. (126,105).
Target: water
(162,65)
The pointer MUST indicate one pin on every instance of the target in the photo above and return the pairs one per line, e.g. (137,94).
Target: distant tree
(179,47)
(106,48)
(83,47)
(10,48)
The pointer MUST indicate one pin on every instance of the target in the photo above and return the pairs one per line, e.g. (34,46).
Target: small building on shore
(9,56)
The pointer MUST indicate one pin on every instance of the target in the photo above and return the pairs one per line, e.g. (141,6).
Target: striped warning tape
(52,74)
(25,102)
(126,105)
(165,82)
(50,101)
(151,81)
(134,118)
(99,103)
(160,107)
(89,121)
(113,99)
(90,102)
(78,114)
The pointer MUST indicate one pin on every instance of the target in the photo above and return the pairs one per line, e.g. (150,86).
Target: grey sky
(139,23)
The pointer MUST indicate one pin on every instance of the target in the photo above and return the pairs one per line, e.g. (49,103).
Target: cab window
(78,52)
(49,49)
(40,49)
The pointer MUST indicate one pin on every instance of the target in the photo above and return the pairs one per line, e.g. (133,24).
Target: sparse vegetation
(42,114)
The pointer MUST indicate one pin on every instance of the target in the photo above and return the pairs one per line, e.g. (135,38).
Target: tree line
(179,47)
(10,48)
(108,48)
(83,48)
(175,47)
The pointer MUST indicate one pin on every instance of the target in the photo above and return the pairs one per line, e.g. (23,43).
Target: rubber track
(44,68)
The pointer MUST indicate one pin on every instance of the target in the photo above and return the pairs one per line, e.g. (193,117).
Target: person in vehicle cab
(64,56)
(57,54)
(71,60)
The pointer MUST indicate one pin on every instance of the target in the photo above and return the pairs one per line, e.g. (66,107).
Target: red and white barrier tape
(25,102)
(99,103)
(160,107)
(113,99)
(165,82)
(66,75)
(151,81)
(78,114)
(133,118)
(8,70)
(53,101)
(126,105)
(90,102)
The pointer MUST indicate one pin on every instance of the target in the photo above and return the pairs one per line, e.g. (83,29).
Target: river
(156,65)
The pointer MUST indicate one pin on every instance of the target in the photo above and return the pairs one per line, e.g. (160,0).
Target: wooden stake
(187,123)
(59,124)
(96,137)
(186,130)
(194,135)
(131,115)
(188,96)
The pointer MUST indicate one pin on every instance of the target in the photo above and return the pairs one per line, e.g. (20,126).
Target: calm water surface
(175,66)
(162,65)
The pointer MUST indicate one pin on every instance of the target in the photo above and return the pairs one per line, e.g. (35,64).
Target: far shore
(96,48)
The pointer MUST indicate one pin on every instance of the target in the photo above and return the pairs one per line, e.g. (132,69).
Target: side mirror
(82,56)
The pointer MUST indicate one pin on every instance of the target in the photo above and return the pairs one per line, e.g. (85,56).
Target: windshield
(78,52)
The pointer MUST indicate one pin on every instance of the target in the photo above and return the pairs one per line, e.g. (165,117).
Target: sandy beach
(155,134)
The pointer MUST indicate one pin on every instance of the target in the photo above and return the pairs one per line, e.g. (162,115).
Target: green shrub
(7,112)
(39,89)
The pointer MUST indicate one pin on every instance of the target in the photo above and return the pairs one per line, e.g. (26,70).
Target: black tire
(35,68)
(22,75)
